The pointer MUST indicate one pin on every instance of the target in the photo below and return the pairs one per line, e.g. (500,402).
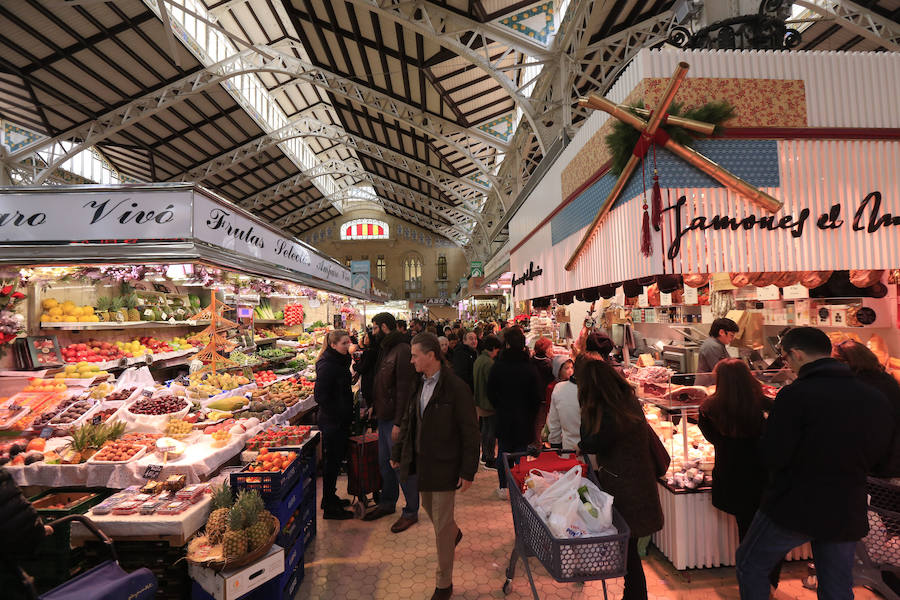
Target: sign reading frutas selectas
(225,227)
(115,215)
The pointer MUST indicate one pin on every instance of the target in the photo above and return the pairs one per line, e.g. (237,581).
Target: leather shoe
(337,513)
(377,513)
(458,537)
(403,523)
(442,593)
(341,502)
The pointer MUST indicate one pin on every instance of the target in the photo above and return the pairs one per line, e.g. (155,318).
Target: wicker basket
(221,564)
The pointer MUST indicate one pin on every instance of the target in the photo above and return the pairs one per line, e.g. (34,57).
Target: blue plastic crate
(270,485)
(273,590)
(285,506)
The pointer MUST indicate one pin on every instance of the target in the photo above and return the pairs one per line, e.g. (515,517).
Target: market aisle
(354,560)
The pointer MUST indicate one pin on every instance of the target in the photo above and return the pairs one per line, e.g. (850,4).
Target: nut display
(73,413)
(162,405)
(123,394)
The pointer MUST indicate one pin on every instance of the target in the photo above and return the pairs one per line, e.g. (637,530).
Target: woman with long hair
(866,366)
(732,420)
(335,399)
(613,428)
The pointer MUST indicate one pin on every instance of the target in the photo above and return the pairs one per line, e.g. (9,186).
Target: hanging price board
(152,471)
(690,295)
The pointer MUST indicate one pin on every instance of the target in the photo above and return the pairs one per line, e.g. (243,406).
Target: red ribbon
(645,142)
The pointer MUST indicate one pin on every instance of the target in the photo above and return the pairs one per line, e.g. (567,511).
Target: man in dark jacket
(464,359)
(439,443)
(818,454)
(395,379)
(514,390)
(20,528)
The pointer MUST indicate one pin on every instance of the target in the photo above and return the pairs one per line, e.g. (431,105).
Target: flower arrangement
(11,322)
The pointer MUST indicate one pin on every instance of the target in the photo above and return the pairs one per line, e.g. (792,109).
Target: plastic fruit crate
(269,484)
(75,501)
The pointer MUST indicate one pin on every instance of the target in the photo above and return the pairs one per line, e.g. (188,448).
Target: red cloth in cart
(546,461)
(363,474)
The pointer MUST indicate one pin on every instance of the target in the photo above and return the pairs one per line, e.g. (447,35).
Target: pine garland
(623,137)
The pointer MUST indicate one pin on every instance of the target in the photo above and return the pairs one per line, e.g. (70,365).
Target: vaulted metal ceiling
(440,107)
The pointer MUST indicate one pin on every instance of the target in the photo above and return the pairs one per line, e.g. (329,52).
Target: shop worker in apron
(439,442)
(713,349)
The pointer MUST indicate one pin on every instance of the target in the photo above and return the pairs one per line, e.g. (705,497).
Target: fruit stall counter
(176,529)
(203,454)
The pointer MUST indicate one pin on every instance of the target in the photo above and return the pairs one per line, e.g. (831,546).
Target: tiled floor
(358,560)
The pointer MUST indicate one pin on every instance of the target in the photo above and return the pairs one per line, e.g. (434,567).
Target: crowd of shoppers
(790,471)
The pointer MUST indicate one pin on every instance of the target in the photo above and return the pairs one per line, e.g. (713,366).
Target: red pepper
(6,290)
(18,295)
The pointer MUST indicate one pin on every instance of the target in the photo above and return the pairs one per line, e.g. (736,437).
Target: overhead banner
(227,228)
(360,275)
(477,268)
(107,216)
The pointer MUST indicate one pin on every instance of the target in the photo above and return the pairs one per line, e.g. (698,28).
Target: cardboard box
(229,585)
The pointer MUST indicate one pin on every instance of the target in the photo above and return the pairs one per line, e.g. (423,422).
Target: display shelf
(269,321)
(270,340)
(669,406)
(122,325)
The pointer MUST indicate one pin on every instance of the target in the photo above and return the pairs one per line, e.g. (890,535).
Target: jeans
(766,545)
(391,485)
(488,438)
(744,520)
(504,447)
(635,581)
(334,449)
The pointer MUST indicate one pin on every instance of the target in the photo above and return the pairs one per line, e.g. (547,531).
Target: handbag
(658,453)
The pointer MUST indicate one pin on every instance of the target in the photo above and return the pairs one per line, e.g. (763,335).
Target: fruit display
(293,314)
(215,383)
(243,359)
(177,427)
(91,351)
(66,312)
(117,451)
(227,404)
(285,436)
(264,377)
(271,462)
(36,384)
(101,390)
(225,426)
(234,528)
(119,396)
(220,438)
(82,370)
(72,413)
(142,439)
(103,414)
(88,438)
(155,345)
(161,405)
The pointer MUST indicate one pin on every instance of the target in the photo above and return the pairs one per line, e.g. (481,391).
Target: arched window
(442,267)
(412,272)
(364,229)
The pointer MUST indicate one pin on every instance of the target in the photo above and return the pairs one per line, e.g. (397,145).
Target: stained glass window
(364,229)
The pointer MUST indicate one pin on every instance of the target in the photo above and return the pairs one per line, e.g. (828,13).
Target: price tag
(620,296)
(147,393)
(690,295)
(796,292)
(123,362)
(665,299)
(642,300)
(770,292)
(148,358)
(152,471)
(47,433)
(96,419)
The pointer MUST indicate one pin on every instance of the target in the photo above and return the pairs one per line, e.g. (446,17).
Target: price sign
(96,419)
(46,432)
(770,292)
(147,393)
(796,292)
(690,295)
(665,299)
(148,358)
(643,301)
(152,471)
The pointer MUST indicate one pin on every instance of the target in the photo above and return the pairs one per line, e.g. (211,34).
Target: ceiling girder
(462,36)
(309,126)
(858,19)
(69,143)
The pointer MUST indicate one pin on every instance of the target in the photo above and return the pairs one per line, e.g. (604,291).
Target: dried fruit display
(162,405)
(117,451)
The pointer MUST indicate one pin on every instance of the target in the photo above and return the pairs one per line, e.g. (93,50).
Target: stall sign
(529,275)
(227,228)
(55,216)
(690,295)
(796,292)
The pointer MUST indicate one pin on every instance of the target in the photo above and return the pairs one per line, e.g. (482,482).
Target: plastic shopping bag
(538,481)
(544,501)
(584,511)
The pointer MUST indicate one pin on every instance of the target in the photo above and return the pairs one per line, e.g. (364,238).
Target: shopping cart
(106,581)
(878,554)
(566,560)
(363,473)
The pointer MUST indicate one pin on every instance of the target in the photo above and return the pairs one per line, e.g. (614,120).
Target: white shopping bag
(557,490)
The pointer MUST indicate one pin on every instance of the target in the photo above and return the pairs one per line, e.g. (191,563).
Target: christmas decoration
(210,356)
(651,133)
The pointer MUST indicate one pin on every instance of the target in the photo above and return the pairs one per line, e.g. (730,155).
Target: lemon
(69,319)
(56,311)
(83,319)
(48,303)
(46,318)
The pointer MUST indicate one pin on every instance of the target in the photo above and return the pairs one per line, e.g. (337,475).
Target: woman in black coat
(514,390)
(335,399)
(733,420)
(867,368)
(21,527)
(613,428)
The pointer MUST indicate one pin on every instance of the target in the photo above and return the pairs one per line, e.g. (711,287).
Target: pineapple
(258,519)
(234,542)
(103,306)
(218,518)
(115,313)
(131,302)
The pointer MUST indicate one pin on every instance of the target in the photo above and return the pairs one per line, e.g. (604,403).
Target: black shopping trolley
(106,581)
(566,560)
(878,554)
